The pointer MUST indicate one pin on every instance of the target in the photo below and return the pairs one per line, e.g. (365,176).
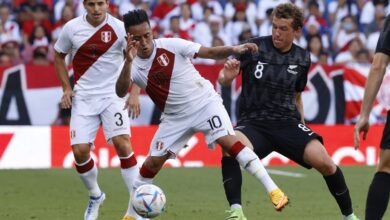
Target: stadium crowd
(335,31)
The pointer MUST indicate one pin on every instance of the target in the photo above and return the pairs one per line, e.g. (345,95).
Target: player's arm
(299,104)
(62,74)
(230,70)
(373,83)
(124,80)
(133,103)
(222,52)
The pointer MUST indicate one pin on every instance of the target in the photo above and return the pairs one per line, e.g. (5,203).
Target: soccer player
(188,101)
(271,108)
(378,193)
(96,42)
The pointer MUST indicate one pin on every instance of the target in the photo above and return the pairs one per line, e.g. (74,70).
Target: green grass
(192,194)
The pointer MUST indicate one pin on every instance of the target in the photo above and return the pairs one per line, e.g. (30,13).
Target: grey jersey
(270,81)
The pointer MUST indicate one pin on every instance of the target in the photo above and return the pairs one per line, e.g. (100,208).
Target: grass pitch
(192,194)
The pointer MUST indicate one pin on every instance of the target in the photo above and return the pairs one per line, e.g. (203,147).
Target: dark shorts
(288,138)
(385,142)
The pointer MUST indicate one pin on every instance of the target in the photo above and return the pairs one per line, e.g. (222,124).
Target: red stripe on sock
(128,162)
(86,167)
(146,173)
(236,148)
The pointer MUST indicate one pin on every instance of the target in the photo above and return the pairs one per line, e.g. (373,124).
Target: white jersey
(97,53)
(170,79)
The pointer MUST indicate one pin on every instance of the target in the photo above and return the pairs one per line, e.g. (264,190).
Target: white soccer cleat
(94,204)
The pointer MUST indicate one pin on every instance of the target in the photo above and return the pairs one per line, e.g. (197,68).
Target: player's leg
(316,156)
(379,191)
(116,130)
(82,132)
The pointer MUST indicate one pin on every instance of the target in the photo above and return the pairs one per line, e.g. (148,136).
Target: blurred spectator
(350,55)
(186,22)
(338,9)
(314,14)
(249,7)
(263,6)
(363,57)
(375,25)
(265,27)
(40,16)
(373,37)
(246,33)
(202,32)
(163,12)
(315,47)
(324,58)
(8,27)
(347,32)
(175,31)
(39,38)
(312,27)
(66,15)
(128,5)
(5,60)
(40,56)
(235,27)
(10,47)
(198,8)
(368,13)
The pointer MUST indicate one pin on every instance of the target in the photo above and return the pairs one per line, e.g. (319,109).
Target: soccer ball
(148,201)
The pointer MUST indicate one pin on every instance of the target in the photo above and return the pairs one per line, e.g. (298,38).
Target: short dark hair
(135,17)
(287,11)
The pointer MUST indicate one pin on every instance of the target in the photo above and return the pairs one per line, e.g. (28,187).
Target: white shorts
(174,131)
(88,114)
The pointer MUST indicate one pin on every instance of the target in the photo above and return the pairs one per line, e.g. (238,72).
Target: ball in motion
(148,201)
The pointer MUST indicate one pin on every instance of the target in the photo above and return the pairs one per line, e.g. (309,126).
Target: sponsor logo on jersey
(159,145)
(163,60)
(292,69)
(106,36)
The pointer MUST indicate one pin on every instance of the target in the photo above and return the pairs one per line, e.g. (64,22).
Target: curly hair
(287,11)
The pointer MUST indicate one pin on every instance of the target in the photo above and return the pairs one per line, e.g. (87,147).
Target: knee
(326,167)
(81,153)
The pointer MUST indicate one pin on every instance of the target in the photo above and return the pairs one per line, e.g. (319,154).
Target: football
(148,201)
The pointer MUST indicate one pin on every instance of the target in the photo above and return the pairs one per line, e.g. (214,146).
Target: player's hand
(244,48)
(231,68)
(131,49)
(362,125)
(66,100)
(133,105)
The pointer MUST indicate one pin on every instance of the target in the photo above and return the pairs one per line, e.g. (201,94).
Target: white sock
(89,179)
(236,206)
(129,174)
(251,163)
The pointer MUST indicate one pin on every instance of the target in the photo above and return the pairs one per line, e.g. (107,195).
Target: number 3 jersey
(271,80)
(170,79)
(97,52)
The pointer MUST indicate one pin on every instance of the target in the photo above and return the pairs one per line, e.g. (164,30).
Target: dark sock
(232,179)
(338,188)
(378,196)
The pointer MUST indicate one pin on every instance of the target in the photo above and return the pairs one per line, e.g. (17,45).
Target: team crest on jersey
(163,60)
(106,36)
(159,145)
(292,69)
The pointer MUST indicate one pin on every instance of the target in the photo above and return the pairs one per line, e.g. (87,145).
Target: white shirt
(96,52)
(170,79)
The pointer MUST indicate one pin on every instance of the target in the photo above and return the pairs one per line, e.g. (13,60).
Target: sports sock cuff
(86,166)
(146,173)
(127,162)
(236,148)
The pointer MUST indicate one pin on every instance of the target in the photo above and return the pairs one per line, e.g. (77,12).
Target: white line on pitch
(286,173)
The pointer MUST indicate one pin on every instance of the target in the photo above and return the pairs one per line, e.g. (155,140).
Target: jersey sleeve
(186,48)
(64,43)
(383,45)
(301,82)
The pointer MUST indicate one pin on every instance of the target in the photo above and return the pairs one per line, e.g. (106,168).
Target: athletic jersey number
(259,70)
(120,120)
(305,129)
(214,122)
